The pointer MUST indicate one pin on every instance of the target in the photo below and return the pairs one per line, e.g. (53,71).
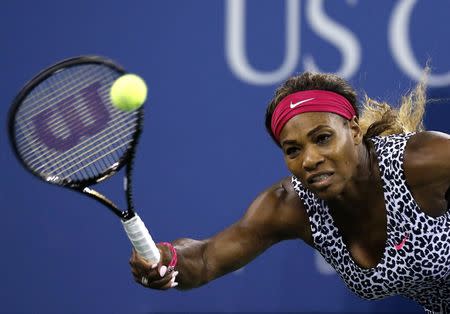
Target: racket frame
(83,186)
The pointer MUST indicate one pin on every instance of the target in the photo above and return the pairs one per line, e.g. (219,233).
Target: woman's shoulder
(283,193)
(280,207)
(428,146)
(427,157)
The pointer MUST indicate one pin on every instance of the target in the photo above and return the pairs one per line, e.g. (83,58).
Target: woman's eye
(323,138)
(291,151)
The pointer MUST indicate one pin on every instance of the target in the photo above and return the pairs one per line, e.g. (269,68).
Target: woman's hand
(157,276)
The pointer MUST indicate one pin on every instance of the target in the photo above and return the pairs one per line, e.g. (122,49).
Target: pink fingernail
(154,266)
(162,270)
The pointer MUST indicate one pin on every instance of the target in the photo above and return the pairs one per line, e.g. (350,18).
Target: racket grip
(141,239)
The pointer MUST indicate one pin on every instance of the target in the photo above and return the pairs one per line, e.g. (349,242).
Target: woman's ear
(356,130)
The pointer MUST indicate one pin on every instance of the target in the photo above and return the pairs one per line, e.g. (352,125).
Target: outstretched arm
(276,214)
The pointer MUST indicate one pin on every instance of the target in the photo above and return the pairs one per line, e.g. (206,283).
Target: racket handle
(141,239)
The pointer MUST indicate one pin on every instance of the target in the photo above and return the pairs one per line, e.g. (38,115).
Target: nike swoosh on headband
(300,102)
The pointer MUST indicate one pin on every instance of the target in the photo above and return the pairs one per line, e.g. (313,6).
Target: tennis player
(370,191)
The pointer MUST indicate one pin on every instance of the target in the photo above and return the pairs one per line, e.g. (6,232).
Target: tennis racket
(64,130)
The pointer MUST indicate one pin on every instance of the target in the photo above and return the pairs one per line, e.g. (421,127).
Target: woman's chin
(328,192)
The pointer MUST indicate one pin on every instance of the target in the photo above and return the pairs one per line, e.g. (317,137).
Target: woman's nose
(312,158)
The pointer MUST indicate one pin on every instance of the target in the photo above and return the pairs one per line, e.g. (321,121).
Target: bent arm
(277,214)
(427,168)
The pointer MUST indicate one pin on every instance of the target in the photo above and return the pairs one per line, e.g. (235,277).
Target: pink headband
(309,101)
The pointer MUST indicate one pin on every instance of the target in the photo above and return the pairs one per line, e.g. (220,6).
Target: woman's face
(320,149)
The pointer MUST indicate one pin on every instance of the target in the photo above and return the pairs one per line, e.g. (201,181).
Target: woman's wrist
(173,253)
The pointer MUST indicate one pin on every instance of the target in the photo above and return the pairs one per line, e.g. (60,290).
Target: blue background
(204,154)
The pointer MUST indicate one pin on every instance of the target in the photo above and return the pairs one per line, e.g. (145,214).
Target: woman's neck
(359,191)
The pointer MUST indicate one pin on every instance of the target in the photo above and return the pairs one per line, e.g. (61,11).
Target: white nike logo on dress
(300,102)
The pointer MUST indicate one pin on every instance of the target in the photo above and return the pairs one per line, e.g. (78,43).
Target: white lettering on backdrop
(400,45)
(235,44)
(339,36)
(325,27)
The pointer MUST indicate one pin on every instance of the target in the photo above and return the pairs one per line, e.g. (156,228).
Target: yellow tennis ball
(128,92)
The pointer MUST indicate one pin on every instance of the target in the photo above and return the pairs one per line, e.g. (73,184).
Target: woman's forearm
(192,264)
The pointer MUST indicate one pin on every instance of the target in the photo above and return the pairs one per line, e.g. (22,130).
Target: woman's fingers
(156,276)
(166,282)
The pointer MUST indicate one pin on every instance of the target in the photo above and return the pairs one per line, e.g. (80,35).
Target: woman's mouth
(320,181)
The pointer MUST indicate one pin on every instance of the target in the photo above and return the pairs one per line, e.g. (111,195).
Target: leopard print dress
(416,258)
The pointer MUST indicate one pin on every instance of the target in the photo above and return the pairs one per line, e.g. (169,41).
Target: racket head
(64,129)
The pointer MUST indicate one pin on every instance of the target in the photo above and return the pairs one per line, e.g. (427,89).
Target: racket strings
(84,166)
(39,101)
(28,113)
(71,102)
(83,153)
(93,144)
(118,118)
(100,144)
(43,97)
